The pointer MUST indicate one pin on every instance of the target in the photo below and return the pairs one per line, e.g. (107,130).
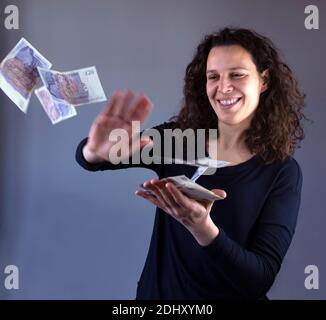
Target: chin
(229,122)
(227,118)
(234,120)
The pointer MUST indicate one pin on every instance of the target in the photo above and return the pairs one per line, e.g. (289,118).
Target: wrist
(206,233)
(90,156)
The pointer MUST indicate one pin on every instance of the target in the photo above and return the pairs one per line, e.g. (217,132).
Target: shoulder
(165,125)
(288,174)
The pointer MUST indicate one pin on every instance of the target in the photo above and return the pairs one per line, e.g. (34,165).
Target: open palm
(123,108)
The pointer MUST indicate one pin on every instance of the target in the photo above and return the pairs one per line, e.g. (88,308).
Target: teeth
(228,102)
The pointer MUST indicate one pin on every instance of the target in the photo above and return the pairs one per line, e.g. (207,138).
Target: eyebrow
(231,69)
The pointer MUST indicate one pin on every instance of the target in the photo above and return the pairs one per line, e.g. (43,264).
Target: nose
(225,85)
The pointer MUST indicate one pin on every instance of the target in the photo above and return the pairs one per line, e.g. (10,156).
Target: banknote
(190,188)
(76,87)
(200,162)
(56,111)
(19,74)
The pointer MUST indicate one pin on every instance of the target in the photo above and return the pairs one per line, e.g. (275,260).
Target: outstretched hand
(122,109)
(192,214)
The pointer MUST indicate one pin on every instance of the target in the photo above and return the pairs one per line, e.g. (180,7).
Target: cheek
(254,95)
(210,90)
(250,90)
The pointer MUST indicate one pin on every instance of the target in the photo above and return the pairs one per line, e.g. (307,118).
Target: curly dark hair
(276,129)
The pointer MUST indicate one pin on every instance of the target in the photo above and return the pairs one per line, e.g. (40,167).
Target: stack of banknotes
(60,93)
(188,186)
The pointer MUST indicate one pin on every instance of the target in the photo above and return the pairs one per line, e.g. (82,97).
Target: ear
(265,80)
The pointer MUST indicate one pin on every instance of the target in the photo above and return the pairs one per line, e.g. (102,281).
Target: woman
(229,249)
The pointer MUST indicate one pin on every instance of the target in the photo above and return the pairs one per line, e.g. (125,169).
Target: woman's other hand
(121,110)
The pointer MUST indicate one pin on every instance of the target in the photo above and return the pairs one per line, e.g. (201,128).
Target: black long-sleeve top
(256,222)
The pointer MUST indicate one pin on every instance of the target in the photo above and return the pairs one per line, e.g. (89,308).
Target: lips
(226,104)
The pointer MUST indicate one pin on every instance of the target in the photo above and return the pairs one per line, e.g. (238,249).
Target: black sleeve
(109,166)
(252,270)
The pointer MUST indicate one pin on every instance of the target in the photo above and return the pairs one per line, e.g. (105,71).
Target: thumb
(146,141)
(220,193)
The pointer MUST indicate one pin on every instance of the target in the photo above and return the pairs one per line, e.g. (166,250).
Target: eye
(212,77)
(237,75)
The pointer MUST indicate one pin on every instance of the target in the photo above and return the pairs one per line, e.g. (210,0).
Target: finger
(178,196)
(153,199)
(160,188)
(152,189)
(123,105)
(140,109)
(147,196)
(110,107)
(137,142)
(146,142)
(158,193)
(220,193)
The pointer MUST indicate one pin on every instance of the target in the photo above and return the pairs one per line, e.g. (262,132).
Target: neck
(230,145)
(231,137)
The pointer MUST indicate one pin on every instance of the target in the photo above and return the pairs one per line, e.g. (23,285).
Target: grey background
(80,235)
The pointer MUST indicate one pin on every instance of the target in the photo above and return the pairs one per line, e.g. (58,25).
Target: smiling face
(233,84)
